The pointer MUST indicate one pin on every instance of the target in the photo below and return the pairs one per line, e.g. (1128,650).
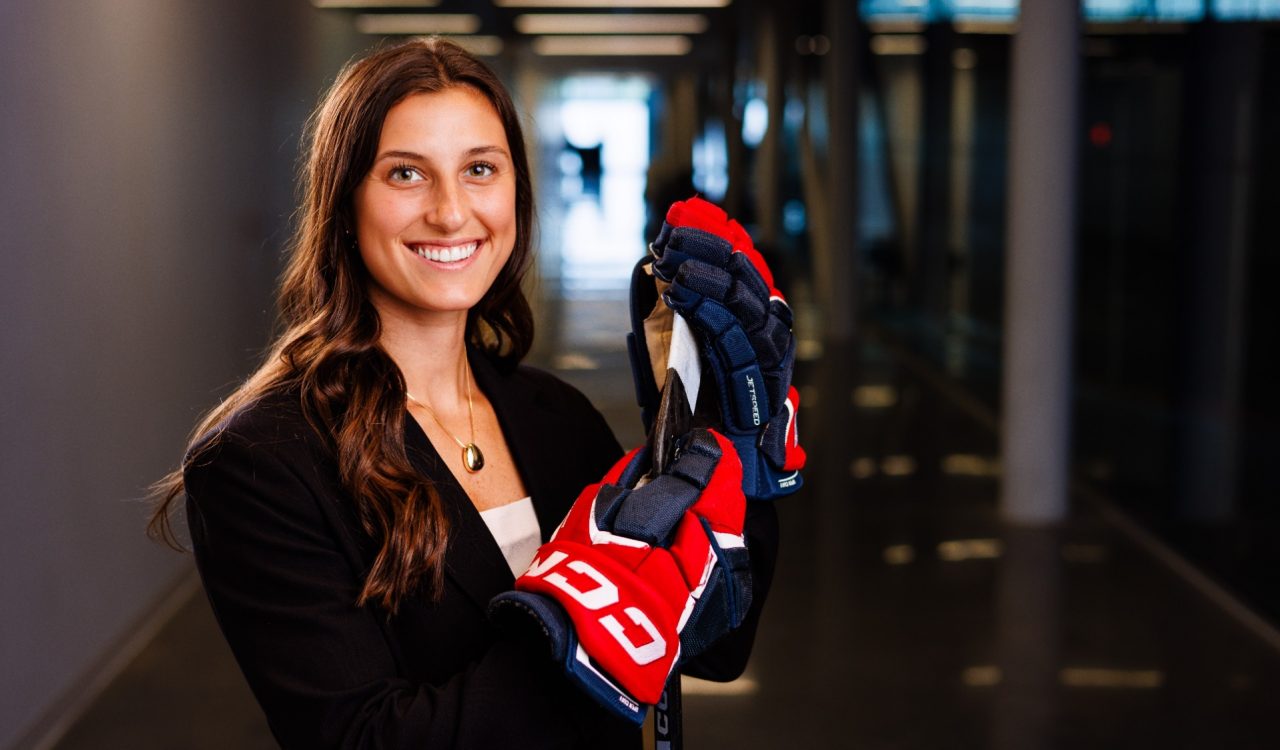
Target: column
(1039,249)
(835,261)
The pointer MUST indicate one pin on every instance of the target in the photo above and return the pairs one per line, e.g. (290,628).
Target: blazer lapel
(473,561)
(529,425)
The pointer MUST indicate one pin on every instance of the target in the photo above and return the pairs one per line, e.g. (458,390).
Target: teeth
(448,254)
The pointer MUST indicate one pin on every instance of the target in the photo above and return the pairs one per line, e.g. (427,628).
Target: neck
(429,352)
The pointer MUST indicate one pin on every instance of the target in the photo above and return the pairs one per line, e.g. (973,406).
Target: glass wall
(1176,415)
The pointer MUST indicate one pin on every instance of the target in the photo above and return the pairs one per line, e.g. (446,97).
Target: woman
(390,468)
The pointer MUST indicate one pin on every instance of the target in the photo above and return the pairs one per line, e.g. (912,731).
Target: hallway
(148,193)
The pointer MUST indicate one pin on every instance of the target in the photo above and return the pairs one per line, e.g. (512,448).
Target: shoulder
(271,430)
(564,404)
(272,420)
(262,475)
(550,390)
(531,386)
(535,405)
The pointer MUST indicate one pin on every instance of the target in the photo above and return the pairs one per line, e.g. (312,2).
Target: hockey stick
(674,419)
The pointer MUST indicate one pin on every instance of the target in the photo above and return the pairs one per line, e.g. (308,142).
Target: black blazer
(283,556)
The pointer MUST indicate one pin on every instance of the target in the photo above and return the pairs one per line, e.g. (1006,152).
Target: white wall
(146,160)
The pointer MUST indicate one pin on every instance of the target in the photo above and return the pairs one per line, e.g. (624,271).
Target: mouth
(448,256)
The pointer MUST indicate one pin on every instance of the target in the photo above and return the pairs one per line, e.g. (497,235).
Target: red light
(1100,135)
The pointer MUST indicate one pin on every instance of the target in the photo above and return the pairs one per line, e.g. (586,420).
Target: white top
(515,528)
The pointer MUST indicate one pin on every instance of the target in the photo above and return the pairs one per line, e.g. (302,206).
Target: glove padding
(720,284)
(638,577)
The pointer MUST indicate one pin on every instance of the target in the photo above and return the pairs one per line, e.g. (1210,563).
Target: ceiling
(642,32)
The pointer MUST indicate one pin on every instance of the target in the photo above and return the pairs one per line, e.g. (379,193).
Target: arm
(327,673)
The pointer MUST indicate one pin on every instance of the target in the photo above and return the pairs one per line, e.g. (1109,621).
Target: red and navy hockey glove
(637,577)
(714,278)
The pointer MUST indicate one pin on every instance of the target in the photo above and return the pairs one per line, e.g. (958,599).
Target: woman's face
(436,215)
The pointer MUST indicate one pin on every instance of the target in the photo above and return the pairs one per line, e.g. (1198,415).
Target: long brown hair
(352,393)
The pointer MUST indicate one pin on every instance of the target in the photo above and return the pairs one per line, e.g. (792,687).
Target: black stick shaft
(668,719)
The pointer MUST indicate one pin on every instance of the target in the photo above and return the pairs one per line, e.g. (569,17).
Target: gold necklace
(472,458)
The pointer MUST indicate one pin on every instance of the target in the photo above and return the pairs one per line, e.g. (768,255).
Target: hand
(639,576)
(713,276)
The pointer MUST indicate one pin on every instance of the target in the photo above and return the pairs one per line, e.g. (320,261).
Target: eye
(481,169)
(403,173)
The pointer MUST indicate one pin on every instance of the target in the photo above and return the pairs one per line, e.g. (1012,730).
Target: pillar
(1039,250)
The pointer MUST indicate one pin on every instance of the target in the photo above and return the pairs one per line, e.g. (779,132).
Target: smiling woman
(349,549)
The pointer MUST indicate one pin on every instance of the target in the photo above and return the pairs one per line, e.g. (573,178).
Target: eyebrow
(413,156)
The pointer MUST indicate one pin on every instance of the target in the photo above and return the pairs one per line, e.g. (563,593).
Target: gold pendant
(472,458)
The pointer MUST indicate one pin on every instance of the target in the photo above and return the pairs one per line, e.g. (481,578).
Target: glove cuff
(761,480)
(618,617)
(518,609)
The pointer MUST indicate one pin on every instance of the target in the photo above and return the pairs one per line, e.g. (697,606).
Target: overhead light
(985,675)
(611,3)
(374,3)
(899,554)
(958,550)
(970,465)
(417,23)
(611,23)
(808,350)
(875,396)
(984,26)
(898,44)
(480,45)
(634,46)
(898,466)
(863,468)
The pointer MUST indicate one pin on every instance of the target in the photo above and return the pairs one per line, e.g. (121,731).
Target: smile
(439,254)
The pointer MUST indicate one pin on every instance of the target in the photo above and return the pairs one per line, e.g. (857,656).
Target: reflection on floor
(904,615)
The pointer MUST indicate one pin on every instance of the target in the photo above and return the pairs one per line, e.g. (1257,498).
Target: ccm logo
(596,593)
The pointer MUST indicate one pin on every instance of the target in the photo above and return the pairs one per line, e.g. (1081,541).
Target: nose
(447,207)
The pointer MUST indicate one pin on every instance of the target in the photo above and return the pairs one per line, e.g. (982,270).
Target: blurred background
(1027,248)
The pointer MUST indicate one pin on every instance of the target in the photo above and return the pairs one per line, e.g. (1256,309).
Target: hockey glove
(708,271)
(636,577)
